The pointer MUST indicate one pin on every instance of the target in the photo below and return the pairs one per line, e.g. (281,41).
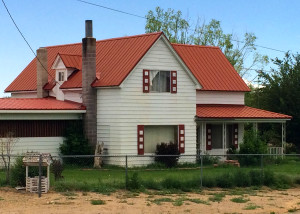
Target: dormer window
(61,76)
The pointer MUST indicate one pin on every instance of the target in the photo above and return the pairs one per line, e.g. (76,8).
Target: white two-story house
(131,93)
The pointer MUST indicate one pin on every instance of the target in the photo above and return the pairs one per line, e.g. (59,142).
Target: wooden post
(40,176)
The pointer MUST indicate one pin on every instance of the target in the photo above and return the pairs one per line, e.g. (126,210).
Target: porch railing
(275,150)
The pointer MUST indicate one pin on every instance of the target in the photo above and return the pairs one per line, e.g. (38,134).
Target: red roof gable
(38,104)
(211,68)
(236,112)
(71,61)
(115,59)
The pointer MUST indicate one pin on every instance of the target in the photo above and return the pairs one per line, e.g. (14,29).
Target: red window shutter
(181,138)
(235,135)
(146,81)
(140,139)
(173,82)
(208,137)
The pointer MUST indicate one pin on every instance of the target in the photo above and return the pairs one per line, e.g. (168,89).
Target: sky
(276,24)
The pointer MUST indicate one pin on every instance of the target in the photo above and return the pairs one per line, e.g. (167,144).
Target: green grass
(252,207)
(280,175)
(97,202)
(293,210)
(239,200)
(217,197)
(158,201)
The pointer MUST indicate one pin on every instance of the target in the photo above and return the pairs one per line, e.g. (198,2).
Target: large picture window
(159,134)
(160,81)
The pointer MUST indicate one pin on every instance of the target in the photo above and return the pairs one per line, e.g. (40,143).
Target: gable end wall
(120,110)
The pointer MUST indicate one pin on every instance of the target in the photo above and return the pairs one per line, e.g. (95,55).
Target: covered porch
(220,127)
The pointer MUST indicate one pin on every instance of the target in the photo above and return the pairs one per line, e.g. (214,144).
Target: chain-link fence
(107,173)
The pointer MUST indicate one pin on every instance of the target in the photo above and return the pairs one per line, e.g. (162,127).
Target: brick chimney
(89,98)
(41,73)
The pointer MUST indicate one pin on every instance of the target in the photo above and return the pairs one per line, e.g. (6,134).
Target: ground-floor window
(159,134)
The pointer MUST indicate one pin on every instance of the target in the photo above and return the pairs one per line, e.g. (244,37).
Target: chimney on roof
(89,98)
(41,72)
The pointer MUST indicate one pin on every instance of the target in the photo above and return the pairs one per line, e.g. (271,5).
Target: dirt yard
(207,201)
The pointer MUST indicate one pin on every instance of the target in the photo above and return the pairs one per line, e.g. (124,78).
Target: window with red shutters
(208,137)
(140,139)
(181,138)
(146,81)
(235,135)
(159,81)
(173,82)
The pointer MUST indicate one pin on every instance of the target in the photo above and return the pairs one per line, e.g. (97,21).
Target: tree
(179,30)
(281,93)
(7,144)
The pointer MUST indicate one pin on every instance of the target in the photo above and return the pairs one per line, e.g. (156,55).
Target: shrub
(209,160)
(167,149)
(252,144)
(134,182)
(18,172)
(75,143)
(57,168)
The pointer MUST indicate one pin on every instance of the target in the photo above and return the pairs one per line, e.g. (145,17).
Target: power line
(27,41)
(260,46)
(112,9)
(138,16)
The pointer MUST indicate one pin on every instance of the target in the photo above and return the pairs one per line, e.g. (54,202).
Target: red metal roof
(48,103)
(236,112)
(115,59)
(210,66)
(71,61)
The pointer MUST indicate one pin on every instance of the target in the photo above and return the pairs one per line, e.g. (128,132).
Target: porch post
(255,127)
(203,139)
(224,138)
(283,137)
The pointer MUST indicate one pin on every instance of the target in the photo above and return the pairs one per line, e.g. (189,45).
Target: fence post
(126,173)
(40,175)
(201,167)
(261,166)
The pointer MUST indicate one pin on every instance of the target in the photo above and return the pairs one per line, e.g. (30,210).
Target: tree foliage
(179,30)
(281,93)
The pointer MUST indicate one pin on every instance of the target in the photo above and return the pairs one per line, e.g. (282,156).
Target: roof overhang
(237,113)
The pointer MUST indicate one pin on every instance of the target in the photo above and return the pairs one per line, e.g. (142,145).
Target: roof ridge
(197,46)
(105,40)
(69,54)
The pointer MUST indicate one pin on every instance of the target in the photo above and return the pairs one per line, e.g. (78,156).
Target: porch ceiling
(236,112)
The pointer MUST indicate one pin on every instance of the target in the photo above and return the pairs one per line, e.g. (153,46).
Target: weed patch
(158,201)
(217,197)
(97,202)
(251,207)
(239,200)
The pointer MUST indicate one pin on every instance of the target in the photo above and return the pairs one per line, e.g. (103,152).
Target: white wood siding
(220,97)
(24,95)
(73,96)
(38,144)
(119,111)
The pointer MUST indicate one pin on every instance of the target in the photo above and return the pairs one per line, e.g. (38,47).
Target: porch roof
(218,111)
(28,104)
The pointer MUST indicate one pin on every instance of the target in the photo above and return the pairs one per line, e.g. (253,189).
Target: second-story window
(160,81)
(61,76)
